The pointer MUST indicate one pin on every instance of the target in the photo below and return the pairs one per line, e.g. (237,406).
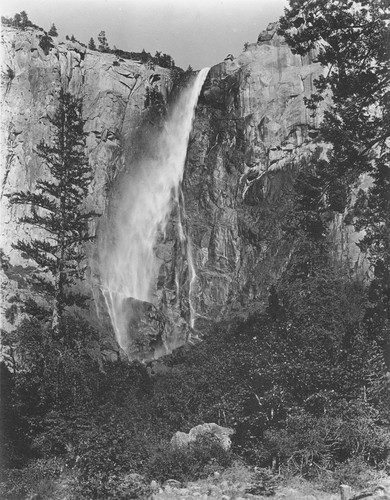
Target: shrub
(354,472)
(115,486)
(39,477)
(307,443)
(197,460)
(46,43)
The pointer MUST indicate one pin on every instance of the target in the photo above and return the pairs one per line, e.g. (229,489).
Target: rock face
(251,130)
(113,93)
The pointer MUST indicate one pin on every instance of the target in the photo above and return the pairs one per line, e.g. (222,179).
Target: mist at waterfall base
(128,266)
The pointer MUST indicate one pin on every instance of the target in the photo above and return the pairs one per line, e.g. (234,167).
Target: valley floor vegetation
(303,384)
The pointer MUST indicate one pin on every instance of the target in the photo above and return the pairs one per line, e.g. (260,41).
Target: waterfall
(127,263)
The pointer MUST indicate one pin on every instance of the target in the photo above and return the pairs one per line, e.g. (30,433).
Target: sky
(194,32)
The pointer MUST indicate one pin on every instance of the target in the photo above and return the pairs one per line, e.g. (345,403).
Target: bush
(308,443)
(354,472)
(104,452)
(197,460)
(40,476)
(115,486)
(46,43)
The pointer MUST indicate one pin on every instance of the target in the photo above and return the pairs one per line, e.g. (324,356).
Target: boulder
(181,439)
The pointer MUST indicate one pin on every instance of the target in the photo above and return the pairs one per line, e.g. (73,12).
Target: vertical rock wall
(113,94)
(251,130)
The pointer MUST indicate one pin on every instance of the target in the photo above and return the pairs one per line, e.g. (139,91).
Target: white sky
(196,32)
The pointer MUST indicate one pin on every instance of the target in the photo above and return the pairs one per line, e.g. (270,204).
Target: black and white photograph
(195,250)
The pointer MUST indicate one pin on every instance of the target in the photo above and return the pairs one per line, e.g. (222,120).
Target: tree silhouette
(56,210)
(17,20)
(53,30)
(103,44)
(91,44)
(352,42)
(24,21)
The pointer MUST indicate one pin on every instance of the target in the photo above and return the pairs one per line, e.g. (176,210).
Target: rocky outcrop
(251,131)
(113,94)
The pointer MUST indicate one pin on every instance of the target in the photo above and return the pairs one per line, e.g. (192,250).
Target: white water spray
(126,249)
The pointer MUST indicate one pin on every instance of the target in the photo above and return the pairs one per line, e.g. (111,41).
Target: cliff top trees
(53,30)
(20,20)
(91,44)
(56,210)
(103,44)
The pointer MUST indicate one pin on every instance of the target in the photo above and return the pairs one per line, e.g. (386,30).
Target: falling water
(190,262)
(126,249)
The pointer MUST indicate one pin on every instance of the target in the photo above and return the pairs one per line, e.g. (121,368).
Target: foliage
(39,477)
(19,21)
(287,379)
(103,44)
(298,389)
(308,443)
(353,472)
(56,209)
(351,40)
(46,374)
(91,44)
(160,59)
(53,30)
(104,457)
(155,103)
(163,60)
(197,460)
(46,43)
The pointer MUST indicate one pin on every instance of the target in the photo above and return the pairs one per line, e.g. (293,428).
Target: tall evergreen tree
(24,21)
(17,20)
(91,44)
(352,41)
(53,30)
(103,44)
(56,208)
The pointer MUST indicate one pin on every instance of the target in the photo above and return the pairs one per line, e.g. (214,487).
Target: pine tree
(103,44)
(145,56)
(91,44)
(53,30)
(352,43)
(24,19)
(17,20)
(56,210)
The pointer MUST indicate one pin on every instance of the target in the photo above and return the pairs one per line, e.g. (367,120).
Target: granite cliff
(250,132)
